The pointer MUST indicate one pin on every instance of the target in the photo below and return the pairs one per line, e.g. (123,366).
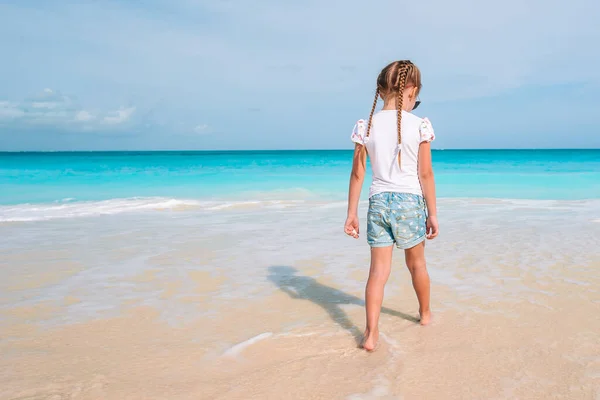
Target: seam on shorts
(411,244)
(381,244)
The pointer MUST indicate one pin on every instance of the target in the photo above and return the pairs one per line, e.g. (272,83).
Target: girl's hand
(351,226)
(432,228)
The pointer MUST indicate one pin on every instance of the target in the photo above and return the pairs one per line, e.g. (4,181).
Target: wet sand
(235,304)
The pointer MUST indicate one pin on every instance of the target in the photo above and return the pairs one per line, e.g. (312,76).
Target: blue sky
(235,74)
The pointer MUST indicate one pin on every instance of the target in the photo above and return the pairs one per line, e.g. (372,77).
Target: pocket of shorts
(377,225)
(407,209)
(377,203)
(409,223)
(376,216)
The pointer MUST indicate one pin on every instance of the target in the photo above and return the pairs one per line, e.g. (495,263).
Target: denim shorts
(396,218)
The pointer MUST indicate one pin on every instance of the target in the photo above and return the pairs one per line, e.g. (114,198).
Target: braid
(400,84)
(372,111)
(393,80)
(364,147)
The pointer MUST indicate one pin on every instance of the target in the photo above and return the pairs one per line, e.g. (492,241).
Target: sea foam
(43,212)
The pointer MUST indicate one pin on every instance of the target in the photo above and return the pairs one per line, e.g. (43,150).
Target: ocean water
(48,185)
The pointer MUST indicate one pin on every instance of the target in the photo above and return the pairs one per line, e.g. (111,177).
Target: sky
(277,74)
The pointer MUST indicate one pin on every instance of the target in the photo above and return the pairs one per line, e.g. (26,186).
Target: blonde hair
(393,79)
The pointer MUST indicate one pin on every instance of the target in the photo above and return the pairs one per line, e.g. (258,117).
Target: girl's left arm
(428,185)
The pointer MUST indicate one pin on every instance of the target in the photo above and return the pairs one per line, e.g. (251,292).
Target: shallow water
(264,300)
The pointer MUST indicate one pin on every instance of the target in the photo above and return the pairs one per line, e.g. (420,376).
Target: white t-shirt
(382,148)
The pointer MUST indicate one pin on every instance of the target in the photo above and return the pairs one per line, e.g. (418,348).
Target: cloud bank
(50,108)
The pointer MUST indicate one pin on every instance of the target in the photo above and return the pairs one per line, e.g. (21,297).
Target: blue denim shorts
(396,218)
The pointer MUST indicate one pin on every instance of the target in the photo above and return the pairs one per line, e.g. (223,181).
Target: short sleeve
(426,131)
(359,132)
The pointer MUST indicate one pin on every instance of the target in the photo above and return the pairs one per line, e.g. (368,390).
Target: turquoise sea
(42,185)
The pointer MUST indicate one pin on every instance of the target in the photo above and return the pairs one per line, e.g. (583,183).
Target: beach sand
(266,302)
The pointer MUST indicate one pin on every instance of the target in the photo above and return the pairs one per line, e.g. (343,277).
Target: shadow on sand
(307,288)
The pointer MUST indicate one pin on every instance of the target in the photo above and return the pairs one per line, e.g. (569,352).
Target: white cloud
(10,110)
(201,128)
(119,116)
(44,104)
(47,107)
(84,116)
(50,108)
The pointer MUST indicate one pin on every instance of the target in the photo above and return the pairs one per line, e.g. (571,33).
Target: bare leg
(381,264)
(415,261)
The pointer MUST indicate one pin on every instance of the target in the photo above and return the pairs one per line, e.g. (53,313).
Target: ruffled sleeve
(426,131)
(359,133)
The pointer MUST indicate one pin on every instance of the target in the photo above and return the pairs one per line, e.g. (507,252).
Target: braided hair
(393,79)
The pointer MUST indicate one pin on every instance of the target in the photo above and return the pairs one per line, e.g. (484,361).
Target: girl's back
(382,147)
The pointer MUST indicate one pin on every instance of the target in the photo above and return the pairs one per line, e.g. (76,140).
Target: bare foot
(425,318)
(370,340)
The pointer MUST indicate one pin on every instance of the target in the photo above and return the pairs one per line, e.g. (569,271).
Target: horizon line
(286,150)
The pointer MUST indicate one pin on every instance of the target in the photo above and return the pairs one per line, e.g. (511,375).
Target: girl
(398,143)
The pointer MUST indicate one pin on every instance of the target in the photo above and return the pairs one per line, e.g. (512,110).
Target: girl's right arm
(357,177)
(428,186)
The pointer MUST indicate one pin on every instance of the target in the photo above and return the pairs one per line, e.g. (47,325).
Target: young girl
(402,206)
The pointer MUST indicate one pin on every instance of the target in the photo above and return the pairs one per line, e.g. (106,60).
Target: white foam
(391,342)
(340,204)
(225,205)
(43,212)
(68,208)
(238,348)
(298,335)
